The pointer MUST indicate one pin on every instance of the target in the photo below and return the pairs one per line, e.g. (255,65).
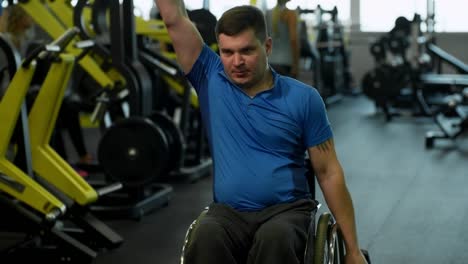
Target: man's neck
(266,83)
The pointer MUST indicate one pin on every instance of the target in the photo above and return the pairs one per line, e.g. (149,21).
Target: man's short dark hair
(241,18)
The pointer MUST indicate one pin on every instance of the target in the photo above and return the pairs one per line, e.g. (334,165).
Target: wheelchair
(324,244)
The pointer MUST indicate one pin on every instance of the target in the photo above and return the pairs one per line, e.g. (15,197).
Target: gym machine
(453,119)
(435,80)
(48,165)
(141,155)
(46,15)
(185,136)
(451,111)
(331,56)
(46,204)
(388,84)
(13,180)
(402,59)
(186,157)
(117,86)
(452,115)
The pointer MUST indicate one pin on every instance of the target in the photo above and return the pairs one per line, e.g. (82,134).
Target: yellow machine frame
(46,162)
(153,29)
(55,28)
(30,191)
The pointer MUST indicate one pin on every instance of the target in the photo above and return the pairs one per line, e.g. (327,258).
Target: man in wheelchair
(259,124)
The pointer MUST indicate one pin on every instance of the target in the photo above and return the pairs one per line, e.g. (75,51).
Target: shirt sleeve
(207,63)
(317,128)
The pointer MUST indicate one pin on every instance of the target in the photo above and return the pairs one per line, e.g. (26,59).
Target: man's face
(244,57)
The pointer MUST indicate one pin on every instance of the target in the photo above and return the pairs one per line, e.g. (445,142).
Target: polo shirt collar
(276,78)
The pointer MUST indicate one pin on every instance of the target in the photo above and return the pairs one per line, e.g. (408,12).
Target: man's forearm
(340,203)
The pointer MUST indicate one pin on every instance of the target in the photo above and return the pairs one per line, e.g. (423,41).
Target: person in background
(284,30)
(259,125)
(17,26)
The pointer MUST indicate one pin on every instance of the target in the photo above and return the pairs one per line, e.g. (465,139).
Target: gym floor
(410,203)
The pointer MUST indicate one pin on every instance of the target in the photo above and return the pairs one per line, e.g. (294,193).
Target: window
(193,4)
(379,16)
(343,6)
(375,15)
(219,7)
(142,8)
(450,16)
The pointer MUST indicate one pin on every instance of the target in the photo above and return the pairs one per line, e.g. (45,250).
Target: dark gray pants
(276,234)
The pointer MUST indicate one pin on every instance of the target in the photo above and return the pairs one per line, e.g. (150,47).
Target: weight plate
(371,86)
(174,138)
(133,151)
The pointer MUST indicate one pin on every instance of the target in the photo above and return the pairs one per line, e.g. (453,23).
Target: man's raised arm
(186,39)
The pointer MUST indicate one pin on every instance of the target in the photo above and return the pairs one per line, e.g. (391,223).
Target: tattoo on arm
(325,146)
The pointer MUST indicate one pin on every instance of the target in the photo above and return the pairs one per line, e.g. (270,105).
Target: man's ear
(268,45)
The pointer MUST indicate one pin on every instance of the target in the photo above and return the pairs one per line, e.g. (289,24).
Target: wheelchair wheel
(189,233)
(328,242)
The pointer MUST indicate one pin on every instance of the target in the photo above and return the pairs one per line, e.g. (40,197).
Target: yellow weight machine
(42,117)
(152,29)
(41,205)
(14,181)
(46,16)
(55,28)
(102,15)
(47,163)
(54,17)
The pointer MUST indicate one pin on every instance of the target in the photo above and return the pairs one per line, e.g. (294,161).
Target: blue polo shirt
(257,144)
